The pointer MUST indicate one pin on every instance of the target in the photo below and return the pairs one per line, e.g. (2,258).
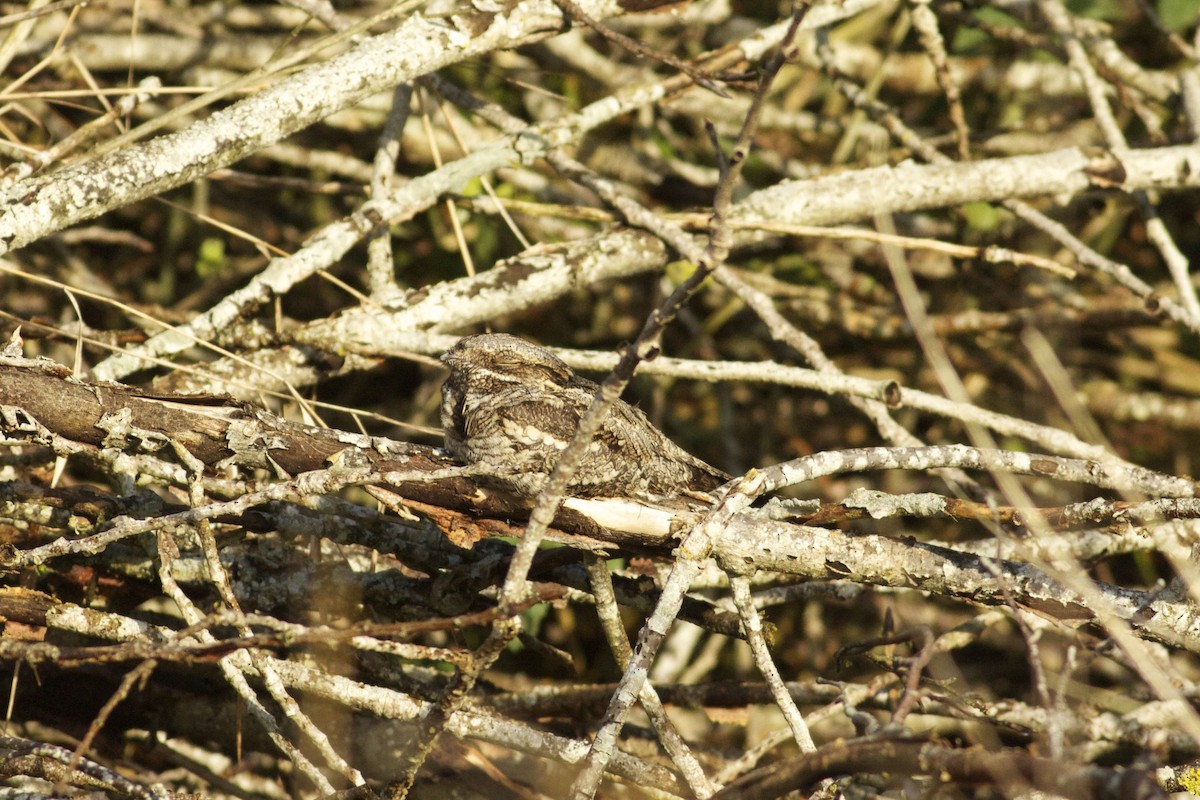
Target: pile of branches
(915,274)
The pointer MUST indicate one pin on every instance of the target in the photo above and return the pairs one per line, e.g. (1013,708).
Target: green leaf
(211,259)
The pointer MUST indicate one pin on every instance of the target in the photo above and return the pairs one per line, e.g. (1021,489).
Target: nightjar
(513,407)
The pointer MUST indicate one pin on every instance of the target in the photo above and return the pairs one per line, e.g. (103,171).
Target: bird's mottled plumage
(513,406)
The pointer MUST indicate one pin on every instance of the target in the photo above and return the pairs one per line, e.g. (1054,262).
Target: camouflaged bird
(513,407)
